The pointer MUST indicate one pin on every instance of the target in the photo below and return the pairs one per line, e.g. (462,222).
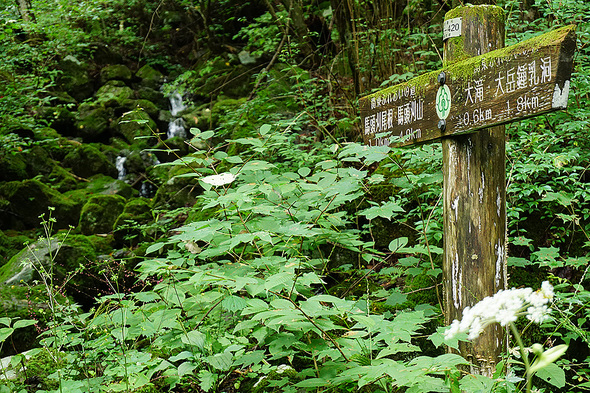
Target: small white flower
(504,308)
(219,180)
(547,290)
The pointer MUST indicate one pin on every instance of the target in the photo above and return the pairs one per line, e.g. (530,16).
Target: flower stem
(524,356)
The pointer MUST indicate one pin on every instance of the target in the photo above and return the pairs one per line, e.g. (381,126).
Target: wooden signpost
(505,85)
(481,87)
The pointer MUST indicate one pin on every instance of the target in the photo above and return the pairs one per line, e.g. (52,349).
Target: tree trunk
(475,200)
(344,19)
(24,9)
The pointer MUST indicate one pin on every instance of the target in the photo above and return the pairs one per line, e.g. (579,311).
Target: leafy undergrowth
(309,264)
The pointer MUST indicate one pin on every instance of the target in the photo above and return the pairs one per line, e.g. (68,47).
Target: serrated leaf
(396,298)
(221,361)
(194,337)
(207,380)
(233,303)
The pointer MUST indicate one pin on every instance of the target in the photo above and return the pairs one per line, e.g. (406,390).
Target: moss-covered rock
(22,202)
(134,125)
(86,160)
(93,121)
(142,104)
(202,118)
(213,83)
(152,95)
(99,214)
(59,256)
(150,77)
(115,72)
(62,180)
(127,228)
(23,268)
(106,185)
(170,149)
(54,143)
(59,118)
(113,94)
(10,244)
(13,167)
(75,78)
(39,162)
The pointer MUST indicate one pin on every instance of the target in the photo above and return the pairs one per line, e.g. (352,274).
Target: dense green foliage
(279,254)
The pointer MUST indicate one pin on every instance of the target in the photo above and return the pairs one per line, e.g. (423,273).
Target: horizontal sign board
(505,85)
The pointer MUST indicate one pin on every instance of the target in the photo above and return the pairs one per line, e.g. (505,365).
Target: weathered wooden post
(471,94)
(474,200)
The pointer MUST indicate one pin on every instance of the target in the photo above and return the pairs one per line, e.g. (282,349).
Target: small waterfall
(177,126)
(120,165)
(176,103)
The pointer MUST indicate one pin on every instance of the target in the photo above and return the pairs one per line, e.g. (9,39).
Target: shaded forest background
(186,204)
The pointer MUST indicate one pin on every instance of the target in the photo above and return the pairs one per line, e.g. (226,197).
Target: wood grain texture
(475,204)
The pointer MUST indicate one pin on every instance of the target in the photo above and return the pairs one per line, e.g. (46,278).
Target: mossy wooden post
(475,198)
(465,104)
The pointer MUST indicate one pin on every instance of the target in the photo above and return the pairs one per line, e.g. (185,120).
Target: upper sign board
(505,85)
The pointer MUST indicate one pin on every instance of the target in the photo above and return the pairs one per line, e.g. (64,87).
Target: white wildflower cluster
(504,307)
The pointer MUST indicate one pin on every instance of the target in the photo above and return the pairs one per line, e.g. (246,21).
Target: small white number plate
(452,28)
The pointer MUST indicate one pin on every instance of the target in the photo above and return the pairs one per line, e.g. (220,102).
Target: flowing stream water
(176,126)
(120,165)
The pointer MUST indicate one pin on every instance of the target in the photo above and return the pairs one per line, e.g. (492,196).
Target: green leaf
(386,210)
(476,383)
(154,247)
(207,380)
(234,159)
(194,337)
(397,244)
(233,303)
(5,333)
(185,368)
(552,374)
(562,198)
(221,361)
(396,298)
(304,171)
(24,323)
(265,129)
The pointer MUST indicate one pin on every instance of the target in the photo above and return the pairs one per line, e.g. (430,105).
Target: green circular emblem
(443,102)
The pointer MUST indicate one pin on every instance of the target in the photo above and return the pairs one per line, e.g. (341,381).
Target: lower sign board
(505,85)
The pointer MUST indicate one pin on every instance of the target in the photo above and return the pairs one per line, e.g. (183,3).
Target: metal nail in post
(442,78)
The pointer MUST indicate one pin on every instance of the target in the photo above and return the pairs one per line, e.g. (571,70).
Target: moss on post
(475,198)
